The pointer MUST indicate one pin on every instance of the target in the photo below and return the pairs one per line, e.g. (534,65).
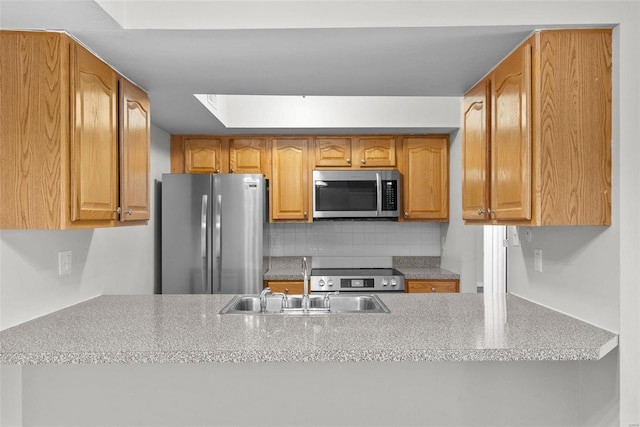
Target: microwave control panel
(389,195)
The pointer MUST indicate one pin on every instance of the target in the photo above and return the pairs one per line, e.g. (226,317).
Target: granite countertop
(188,328)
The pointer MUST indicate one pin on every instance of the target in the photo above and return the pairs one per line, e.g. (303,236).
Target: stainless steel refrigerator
(212,233)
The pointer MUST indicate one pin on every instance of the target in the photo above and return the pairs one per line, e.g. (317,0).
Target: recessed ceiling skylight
(268,111)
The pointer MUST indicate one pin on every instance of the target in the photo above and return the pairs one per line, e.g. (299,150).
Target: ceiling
(174,64)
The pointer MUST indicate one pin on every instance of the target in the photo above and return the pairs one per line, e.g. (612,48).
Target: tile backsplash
(353,238)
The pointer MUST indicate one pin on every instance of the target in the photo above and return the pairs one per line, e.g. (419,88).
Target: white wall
(105,261)
(462,250)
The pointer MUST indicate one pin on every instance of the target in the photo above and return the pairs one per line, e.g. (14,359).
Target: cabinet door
(289,190)
(432,286)
(425,178)
(376,152)
(202,155)
(333,152)
(248,156)
(475,153)
(511,137)
(94,138)
(285,286)
(134,152)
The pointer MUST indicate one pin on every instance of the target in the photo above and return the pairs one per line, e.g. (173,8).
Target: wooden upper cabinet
(59,154)
(475,153)
(355,152)
(550,136)
(134,152)
(289,188)
(376,152)
(202,155)
(249,155)
(333,152)
(511,136)
(94,137)
(425,178)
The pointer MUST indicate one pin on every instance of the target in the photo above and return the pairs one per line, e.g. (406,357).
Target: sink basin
(342,303)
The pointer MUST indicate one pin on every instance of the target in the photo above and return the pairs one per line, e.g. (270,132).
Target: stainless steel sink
(341,303)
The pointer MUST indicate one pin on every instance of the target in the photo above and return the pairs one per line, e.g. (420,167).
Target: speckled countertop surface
(188,328)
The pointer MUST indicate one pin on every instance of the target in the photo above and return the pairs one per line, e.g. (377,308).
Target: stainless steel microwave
(358,194)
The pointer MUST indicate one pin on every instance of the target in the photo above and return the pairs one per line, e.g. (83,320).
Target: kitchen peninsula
(141,353)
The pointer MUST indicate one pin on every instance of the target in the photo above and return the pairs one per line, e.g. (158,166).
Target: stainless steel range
(356,280)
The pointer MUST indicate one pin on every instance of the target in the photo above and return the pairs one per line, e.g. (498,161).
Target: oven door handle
(379,194)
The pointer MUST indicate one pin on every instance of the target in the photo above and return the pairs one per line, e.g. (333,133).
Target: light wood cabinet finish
(333,152)
(425,178)
(202,155)
(354,152)
(249,155)
(135,138)
(511,136)
(34,134)
(550,139)
(59,142)
(94,138)
(295,287)
(289,188)
(475,153)
(220,154)
(376,152)
(431,286)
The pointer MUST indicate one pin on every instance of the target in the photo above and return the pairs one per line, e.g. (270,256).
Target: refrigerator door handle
(219,240)
(203,239)
(379,195)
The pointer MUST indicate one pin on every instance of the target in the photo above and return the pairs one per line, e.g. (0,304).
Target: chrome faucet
(305,285)
(263,299)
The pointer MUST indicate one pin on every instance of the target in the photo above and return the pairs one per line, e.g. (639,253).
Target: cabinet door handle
(305,214)
(433,289)
(286,290)
(480,211)
(231,170)
(349,161)
(130,212)
(363,161)
(217,171)
(406,214)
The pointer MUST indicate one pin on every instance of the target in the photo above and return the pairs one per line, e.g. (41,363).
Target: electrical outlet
(64,263)
(515,238)
(537,263)
(274,241)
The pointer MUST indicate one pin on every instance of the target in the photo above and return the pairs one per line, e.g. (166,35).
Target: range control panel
(356,280)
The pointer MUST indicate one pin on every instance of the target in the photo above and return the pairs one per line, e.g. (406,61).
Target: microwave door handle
(379,194)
